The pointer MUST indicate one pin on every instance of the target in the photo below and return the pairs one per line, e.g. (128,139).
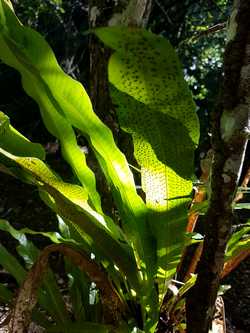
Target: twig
(230,265)
(189,260)
(164,11)
(211,30)
(194,261)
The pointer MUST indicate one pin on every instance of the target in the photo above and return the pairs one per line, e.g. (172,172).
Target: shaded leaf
(5,294)
(49,297)
(11,265)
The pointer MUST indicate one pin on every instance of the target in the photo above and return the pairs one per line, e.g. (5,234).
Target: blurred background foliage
(191,28)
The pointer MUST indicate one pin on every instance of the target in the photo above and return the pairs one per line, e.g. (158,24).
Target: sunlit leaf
(14,142)
(238,243)
(155,106)
(64,103)
(71,203)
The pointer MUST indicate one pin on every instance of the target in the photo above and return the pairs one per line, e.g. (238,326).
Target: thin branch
(211,30)
(194,262)
(190,257)
(164,11)
(230,265)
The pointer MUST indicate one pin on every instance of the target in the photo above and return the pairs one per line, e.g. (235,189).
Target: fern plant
(140,254)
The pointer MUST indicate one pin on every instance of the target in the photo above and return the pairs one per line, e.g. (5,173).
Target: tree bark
(230,132)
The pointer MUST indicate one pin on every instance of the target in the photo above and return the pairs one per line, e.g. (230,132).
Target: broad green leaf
(155,106)
(5,294)
(69,233)
(14,142)
(24,49)
(71,203)
(26,248)
(11,265)
(55,304)
(19,235)
(79,288)
(63,100)
(148,69)
(238,242)
(81,241)
(171,244)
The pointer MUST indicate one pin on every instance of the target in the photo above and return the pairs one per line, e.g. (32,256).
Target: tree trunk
(230,131)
